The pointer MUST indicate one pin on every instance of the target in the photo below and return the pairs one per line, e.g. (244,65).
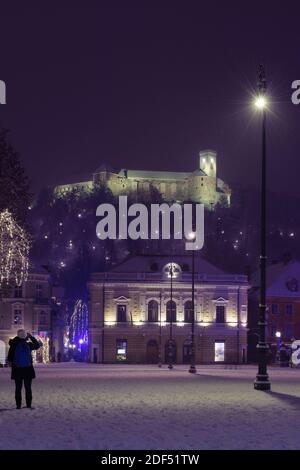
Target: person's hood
(16,340)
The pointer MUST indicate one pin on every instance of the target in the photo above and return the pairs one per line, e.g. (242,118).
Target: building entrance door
(152,352)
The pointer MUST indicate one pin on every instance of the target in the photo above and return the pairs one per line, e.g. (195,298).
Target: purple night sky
(143,86)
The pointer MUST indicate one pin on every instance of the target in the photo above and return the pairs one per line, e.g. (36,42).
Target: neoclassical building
(201,185)
(133,309)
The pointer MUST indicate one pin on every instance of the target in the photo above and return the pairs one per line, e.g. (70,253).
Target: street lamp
(262,379)
(278,336)
(159,353)
(192,368)
(170,348)
(260,102)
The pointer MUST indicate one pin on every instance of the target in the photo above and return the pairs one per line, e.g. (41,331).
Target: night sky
(145,86)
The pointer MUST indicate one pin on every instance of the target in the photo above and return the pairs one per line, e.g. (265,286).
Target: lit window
(121,346)
(121,313)
(219,351)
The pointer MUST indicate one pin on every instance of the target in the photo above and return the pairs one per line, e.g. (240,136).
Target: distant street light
(192,368)
(170,345)
(262,379)
(278,336)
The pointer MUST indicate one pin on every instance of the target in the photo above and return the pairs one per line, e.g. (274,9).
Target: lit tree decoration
(78,331)
(14,250)
(45,350)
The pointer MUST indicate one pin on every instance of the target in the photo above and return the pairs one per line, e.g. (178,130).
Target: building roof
(76,179)
(37,269)
(283,279)
(150,264)
(105,167)
(167,175)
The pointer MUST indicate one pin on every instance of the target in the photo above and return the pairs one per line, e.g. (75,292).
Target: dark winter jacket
(21,372)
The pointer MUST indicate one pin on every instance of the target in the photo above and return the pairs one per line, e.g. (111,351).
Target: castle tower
(208,162)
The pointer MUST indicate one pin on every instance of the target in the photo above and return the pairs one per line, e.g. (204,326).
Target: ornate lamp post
(170,345)
(262,379)
(192,368)
(159,351)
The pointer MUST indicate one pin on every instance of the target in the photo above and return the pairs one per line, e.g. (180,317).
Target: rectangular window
(275,309)
(121,345)
(38,291)
(288,332)
(273,330)
(219,351)
(220,313)
(43,318)
(18,292)
(18,317)
(121,313)
(289,309)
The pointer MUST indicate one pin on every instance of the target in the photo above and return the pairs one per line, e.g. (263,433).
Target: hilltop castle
(201,185)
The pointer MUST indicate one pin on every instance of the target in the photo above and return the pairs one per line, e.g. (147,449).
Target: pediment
(221,300)
(121,298)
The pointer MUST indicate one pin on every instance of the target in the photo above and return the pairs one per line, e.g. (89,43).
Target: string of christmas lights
(78,331)
(14,250)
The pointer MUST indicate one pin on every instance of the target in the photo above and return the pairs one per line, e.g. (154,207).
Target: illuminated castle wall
(201,185)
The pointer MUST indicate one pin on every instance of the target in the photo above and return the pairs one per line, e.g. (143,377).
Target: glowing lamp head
(260,102)
(192,236)
(278,334)
(81,341)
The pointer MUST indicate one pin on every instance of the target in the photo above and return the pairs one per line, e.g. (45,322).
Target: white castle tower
(208,162)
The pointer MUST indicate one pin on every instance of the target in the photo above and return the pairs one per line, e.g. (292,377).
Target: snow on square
(91,406)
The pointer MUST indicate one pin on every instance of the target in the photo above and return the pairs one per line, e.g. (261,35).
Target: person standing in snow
(20,359)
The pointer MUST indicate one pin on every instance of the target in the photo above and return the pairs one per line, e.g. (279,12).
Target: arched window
(188,311)
(153,311)
(171,311)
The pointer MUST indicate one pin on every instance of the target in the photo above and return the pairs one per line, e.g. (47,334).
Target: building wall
(138,331)
(200,186)
(34,304)
(287,323)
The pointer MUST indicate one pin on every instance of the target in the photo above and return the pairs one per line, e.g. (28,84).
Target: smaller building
(283,305)
(137,309)
(29,306)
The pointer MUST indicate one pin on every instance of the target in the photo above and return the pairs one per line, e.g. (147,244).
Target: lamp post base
(262,382)
(192,369)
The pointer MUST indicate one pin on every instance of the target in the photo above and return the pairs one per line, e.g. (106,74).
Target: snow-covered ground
(82,406)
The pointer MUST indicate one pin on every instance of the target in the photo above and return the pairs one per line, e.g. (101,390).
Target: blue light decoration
(78,329)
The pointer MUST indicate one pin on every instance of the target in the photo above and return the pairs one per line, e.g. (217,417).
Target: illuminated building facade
(29,307)
(132,310)
(201,185)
